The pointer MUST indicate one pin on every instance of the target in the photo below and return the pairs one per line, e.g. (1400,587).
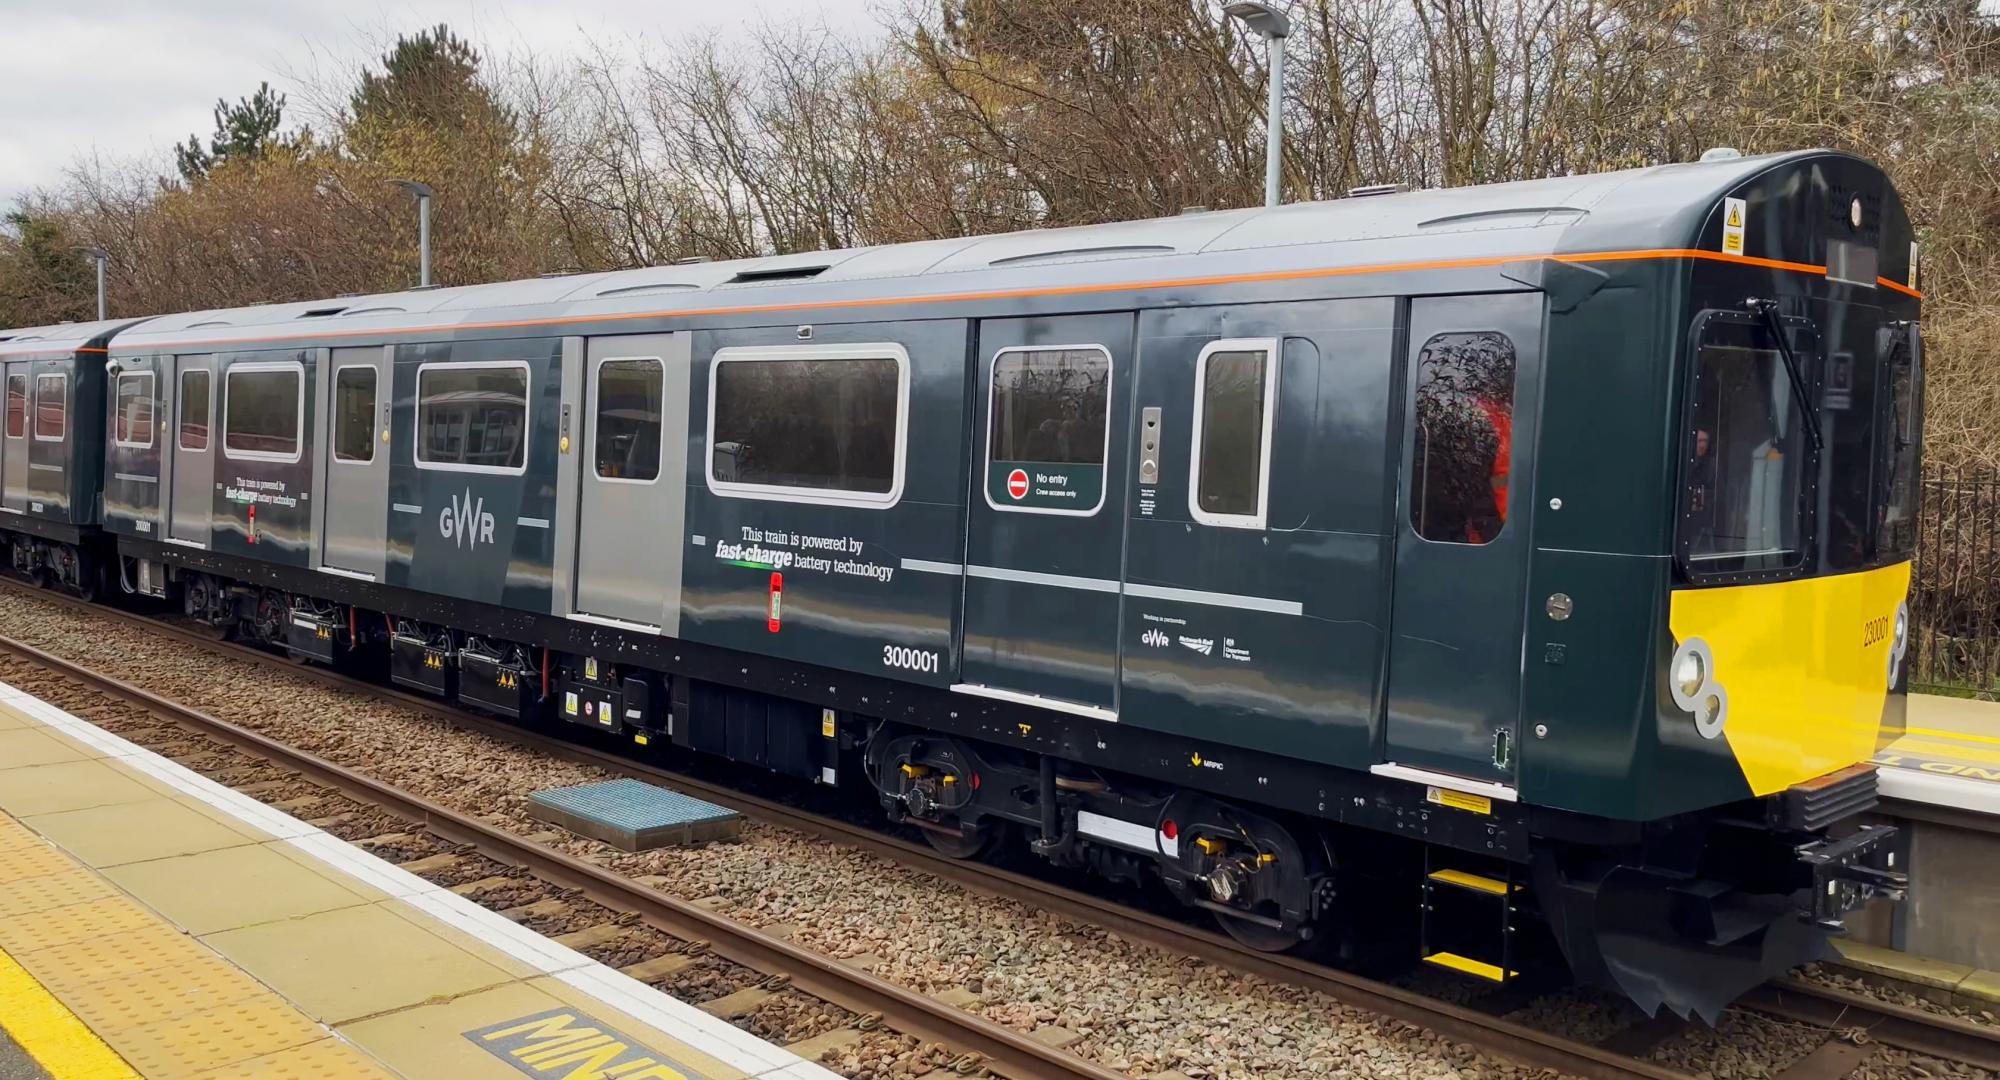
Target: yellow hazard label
(1459,800)
(826,727)
(1734,213)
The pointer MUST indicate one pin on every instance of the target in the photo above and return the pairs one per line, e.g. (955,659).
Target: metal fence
(1955,606)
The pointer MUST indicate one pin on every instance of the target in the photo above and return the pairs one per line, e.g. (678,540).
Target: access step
(1475,882)
(1465,965)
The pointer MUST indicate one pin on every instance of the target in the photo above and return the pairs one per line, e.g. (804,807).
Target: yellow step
(1475,882)
(1465,965)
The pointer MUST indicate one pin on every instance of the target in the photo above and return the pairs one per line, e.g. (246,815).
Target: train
(1504,575)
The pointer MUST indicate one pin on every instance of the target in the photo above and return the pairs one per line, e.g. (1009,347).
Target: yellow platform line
(1963,736)
(1943,751)
(51,1034)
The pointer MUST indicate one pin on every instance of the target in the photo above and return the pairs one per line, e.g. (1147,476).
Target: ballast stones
(633,815)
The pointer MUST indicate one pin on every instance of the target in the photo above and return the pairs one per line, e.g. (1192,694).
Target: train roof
(1657,207)
(60,338)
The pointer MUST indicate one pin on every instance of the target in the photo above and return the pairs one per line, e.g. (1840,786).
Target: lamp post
(422,193)
(1270,24)
(100,257)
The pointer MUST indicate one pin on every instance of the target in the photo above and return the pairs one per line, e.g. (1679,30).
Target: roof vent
(566,272)
(1190,211)
(385,310)
(1366,190)
(211,322)
(649,287)
(1721,153)
(1108,251)
(321,312)
(777,273)
(690,260)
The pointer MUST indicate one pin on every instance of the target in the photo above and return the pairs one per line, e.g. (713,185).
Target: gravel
(1131,1008)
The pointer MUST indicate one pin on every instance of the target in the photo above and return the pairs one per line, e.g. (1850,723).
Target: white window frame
(883,350)
(1110,383)
(1270,346)
(27,405)
(596,386)
(252,367)
(527,417)
(180,410)
(152,423)
(374,409)
(35,423)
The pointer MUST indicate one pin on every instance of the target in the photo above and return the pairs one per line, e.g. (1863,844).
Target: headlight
(1902,630)
(1689,674)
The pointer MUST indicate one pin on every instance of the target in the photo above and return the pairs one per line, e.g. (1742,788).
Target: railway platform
(156,924)
(1940,781)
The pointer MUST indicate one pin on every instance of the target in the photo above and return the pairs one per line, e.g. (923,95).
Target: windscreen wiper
(1769,310)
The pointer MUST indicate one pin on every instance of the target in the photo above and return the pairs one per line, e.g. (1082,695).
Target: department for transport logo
(568,1043)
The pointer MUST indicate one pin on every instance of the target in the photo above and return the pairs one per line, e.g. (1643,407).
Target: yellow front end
(1802,668)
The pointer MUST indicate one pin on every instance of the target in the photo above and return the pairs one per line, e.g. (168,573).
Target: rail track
(1856,1025)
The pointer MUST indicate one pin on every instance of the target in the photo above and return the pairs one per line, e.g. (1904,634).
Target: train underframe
(1685,914)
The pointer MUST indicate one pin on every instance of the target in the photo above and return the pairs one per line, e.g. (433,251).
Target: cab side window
(1462,470)
(1745,458)
(132,426)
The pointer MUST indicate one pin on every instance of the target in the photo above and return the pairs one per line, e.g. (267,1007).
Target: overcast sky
(130,78)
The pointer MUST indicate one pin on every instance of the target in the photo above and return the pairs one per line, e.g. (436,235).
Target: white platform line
(710,1035)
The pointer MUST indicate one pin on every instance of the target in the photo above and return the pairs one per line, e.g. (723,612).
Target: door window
(1235,387)
(194,406)
(628,422)
(1464,459)
(132,424)
(1049,429)
(354,414)
(17,406)
(1742,505)
(51,407)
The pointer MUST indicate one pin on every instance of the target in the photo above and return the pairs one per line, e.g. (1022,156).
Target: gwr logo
(466,522)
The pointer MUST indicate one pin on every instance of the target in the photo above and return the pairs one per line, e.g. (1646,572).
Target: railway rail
(1855,1024)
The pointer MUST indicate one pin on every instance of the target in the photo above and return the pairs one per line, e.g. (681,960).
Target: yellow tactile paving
(313,1061)
(124,993)
(215,1037)
(71,922)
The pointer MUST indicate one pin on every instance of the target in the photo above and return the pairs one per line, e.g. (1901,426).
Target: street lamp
(1270,24)
(422,193)
(99,256)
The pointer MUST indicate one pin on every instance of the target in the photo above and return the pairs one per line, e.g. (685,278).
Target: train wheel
(964,844)
(1259,936)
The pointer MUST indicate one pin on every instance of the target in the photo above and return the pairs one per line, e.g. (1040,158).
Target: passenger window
(354,414)
(628,419)
(194,409)
(473,417)
(132,424)
(1235,382)
(1050,426)
(262,409)
(813,424)
(17,406)
(51,407)
(1464,460)
(1745,455)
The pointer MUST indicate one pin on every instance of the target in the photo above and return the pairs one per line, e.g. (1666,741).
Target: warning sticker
(1459,800)
(1733,213)
(1913,264)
